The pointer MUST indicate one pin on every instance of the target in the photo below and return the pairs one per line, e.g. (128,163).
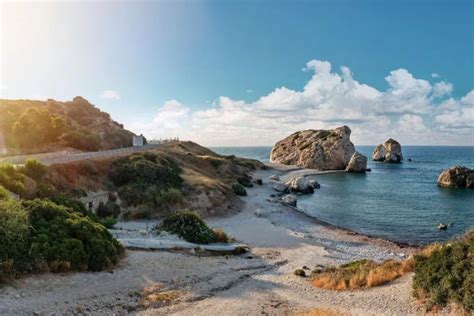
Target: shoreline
(288,172)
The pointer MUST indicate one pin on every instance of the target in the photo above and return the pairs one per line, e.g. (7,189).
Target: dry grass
(156,295)
(361,274)
(320,312)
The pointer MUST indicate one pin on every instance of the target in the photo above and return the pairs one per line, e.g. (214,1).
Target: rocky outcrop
(458,176)
(358,163)
(302,185)
(289,199)
(316,149)
(390,151)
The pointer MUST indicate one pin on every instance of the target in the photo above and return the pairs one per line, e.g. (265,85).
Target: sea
(398,202)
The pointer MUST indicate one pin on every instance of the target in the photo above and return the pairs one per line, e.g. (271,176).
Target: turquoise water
(400,202)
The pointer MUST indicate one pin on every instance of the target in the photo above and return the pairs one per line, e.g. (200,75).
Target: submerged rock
(442,226)
(289,199)
(390,151)
(358,163)
(315,149)
(457,176)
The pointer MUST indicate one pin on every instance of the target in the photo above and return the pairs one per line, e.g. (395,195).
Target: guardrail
(64,157)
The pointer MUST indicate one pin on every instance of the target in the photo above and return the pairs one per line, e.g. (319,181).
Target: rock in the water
(457,177)
(316,149)
(280,187)
(274,177)
(289,199)
(442,226)
(390,151)
(358,163)
(300,185)
(314,184)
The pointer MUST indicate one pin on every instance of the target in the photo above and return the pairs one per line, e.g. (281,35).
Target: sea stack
(358,163)
(457,177)
(315,149)
(390,151)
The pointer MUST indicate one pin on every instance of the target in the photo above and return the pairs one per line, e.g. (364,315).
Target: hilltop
(31,126)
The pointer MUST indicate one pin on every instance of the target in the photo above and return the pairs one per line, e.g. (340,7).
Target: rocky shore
(179,282)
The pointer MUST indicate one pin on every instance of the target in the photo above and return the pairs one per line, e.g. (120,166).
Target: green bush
(239,190)
(4,194)
(189,226)
(108,209)
(147,179)
(34,169)
(245,181)
(60,235)
(447,274)
(14,228)
(12,179)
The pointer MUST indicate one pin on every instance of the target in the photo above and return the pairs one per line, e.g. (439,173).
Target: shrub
(14,229)
(239,190)
(221,236)
(12,179)
(75,205)
(60,235)
(215,162)
(244,181)
(34,169)
(147,179)
(4,194)
(189,226)
(109,209)
(446,274)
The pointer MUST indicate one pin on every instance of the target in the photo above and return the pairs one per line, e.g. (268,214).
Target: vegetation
(360,274)
(41,126)
(189,226)
(40,235)
(239,189)
(147,179)
(445,273)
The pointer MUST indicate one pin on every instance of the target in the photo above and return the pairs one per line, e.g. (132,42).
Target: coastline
(281,239)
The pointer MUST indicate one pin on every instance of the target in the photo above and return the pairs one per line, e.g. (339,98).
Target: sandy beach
(261,281)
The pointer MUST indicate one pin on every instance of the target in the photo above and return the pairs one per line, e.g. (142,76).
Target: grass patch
(360,274)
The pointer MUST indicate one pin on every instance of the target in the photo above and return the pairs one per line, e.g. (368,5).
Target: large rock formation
(390,151)
(316,149)
(457,176)
(358,163)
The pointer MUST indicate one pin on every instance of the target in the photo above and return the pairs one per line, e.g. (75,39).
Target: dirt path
(260,282)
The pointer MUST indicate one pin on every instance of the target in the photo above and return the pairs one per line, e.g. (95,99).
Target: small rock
(274,177)
(300,185)
(259,181)
(442,226)
(280,187)
(289,199)
(368,170)
(299,272)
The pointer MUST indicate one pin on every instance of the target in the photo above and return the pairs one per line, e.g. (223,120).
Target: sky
(248,73)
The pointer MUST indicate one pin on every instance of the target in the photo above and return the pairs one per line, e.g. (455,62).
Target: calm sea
(400,202)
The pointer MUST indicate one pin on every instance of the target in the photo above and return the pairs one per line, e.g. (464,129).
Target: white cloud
(435,75)
(442,88)
(411,109)
(110,94)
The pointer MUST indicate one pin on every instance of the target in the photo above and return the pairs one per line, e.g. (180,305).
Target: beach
(281,239)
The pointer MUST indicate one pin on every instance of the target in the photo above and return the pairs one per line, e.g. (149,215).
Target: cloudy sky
(236,73)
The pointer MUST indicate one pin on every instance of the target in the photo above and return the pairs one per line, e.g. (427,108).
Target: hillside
(28,126)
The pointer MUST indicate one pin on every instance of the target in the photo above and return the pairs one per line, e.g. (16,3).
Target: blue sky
(211,71)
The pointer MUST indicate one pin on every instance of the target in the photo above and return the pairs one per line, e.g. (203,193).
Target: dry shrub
(156,295)
(361,274)
(221,236)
